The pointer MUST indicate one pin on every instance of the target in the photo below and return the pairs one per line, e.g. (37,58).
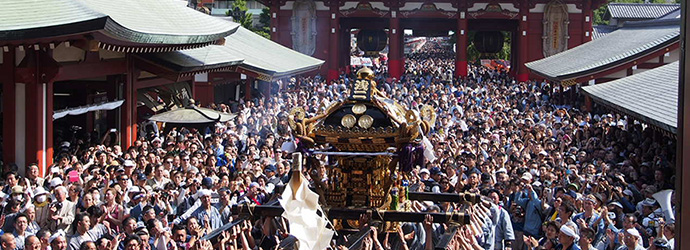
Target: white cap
(129,163)
(424,170)
(633,232)
(55,182)
(39,191)
(526,176)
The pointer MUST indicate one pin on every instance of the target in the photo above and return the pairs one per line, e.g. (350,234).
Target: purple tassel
(406,157)
(419,155)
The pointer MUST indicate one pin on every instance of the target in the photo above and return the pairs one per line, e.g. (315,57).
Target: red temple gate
(329,22)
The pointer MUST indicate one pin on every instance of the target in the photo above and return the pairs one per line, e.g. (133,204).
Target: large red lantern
(488,42)
(372,41)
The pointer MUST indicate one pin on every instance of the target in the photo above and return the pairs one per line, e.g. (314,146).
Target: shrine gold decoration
(365,121)
(359,109)
(296,114)
(348,121)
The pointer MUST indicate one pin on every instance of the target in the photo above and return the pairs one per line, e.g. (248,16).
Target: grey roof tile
(268,57)
(45,18)
(135,21)
(209,57)
(639,10)
(627,43)
(160,22)
(650,96)
(600,31)
(243,48)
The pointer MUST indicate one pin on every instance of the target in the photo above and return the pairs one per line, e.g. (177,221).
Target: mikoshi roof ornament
(360,153)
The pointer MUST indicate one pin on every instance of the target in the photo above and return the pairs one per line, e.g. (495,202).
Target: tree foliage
(247,20)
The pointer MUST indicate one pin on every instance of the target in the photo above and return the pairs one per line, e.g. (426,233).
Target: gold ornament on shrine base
(363,135)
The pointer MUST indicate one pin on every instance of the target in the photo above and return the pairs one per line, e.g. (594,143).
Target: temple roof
(632,41)
(600,31)
(29,19)
(264,56)
(658,88)
(150,22)
(638,10)
(195,60)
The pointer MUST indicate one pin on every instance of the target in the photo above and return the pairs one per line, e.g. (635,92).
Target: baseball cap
(207,182)
(435,170)
(628,192)
(617,204)
(423,171)
(648,202)
(271,168)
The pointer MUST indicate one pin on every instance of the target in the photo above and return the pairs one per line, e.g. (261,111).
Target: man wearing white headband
(567,238)
(58,241)
(631,240)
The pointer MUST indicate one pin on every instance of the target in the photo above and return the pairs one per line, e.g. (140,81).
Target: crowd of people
(558,177)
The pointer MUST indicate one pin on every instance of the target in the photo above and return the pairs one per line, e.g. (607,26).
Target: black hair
(20,215)
(178,227)
(587,233)
(568,207)
(83,245)
(131,237)
(43,233)
(79,217)
(11,172)
(94,211)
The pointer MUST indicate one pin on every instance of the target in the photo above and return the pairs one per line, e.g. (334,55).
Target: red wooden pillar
(333,37)
(128,128)
(587,21)
(395,60)
(274,9)
(248,88)
(9,98)
(49,126)
(202,89)
(461,44)
(37,74)
(588,103)
(523,50)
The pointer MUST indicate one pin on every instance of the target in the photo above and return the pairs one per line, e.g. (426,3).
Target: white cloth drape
(57,114)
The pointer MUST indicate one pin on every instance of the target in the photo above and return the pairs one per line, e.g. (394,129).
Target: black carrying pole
(444,197)
(354,214)
(213,234)
(355,240)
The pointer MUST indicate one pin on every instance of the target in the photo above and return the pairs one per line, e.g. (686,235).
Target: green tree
(246,20)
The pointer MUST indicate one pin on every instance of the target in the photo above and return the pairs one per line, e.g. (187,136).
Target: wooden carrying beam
(354,214)
(444,197)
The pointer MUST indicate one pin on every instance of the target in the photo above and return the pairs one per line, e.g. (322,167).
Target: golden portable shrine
(372,144)
(363,136)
